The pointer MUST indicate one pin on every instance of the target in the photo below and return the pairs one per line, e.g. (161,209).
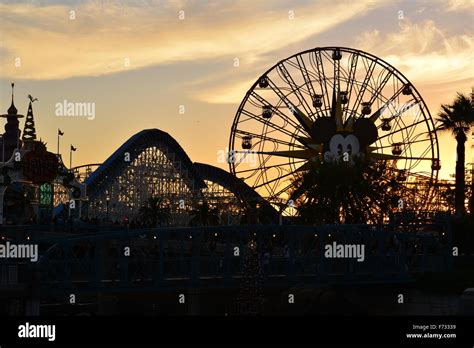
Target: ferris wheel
(324,103)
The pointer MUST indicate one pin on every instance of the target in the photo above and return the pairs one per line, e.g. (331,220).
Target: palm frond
(457,117)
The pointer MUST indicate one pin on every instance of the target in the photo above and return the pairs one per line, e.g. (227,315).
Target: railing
(172,258)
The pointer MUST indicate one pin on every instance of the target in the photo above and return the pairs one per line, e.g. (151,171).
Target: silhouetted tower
(29,131)
(11,137)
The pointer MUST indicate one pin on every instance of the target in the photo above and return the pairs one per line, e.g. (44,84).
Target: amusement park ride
(328,103)
(319,106)
(323,105)
(313,109)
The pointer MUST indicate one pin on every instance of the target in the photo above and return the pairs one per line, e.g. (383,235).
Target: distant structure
(29,132)
(11,138)
(30,175)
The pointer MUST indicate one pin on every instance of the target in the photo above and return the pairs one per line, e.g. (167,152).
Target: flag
(73,148)
(59,132)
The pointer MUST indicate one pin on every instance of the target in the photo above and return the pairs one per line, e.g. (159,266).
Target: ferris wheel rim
(428,119)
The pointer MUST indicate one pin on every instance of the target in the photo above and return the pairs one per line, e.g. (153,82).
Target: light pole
(71,149)
(59,135)
(107,209)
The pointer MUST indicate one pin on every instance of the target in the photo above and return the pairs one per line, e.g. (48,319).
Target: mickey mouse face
(347,143)
(340,146)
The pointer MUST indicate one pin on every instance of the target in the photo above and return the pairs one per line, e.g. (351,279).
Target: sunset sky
(138,61)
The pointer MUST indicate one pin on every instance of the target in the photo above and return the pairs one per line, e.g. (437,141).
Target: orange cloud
(113,37)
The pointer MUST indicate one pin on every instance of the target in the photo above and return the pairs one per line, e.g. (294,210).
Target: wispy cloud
(424,53)
(438,62)
(104,37)
(459,5)
(429,57)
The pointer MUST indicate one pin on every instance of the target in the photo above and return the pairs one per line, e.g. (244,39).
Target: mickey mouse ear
(323,129)
(365,130)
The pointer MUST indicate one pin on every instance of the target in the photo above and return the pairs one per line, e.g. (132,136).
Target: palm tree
(458,118)
(204,215)
(345,193)
(154,212)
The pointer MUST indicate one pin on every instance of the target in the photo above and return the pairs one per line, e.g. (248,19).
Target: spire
(29,132)
(11,137)
(12,109)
